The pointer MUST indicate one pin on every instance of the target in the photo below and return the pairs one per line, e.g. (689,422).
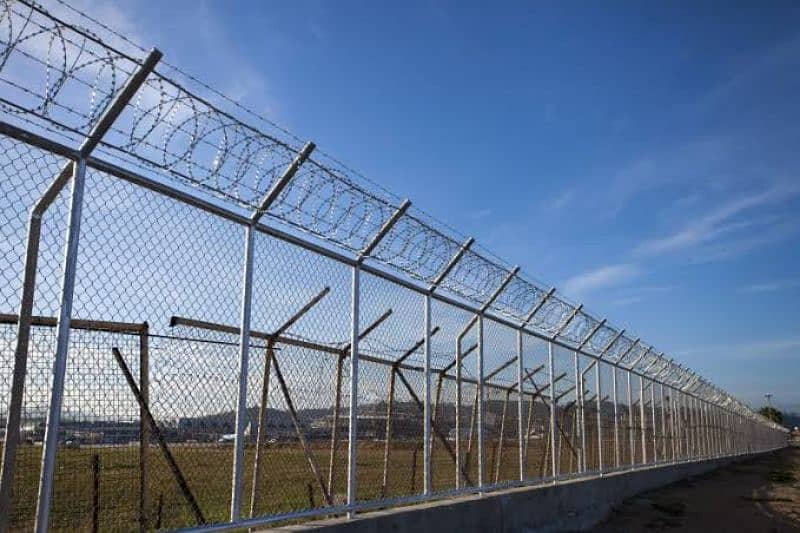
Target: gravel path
(760,495)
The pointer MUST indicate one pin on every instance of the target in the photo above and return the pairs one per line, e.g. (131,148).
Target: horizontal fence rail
(207,322)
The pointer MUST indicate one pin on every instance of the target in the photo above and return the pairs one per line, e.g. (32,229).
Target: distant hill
(791,420)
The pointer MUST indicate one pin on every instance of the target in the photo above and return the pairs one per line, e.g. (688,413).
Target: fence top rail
(79,323)
(182,131)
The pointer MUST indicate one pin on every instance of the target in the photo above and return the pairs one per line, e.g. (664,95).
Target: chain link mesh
(159,282)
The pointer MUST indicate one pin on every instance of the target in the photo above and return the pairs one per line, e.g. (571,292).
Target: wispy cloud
(559,200)
(629,300)
(605,276)
(686,163)
(772,286)
(480,213)
(771,348)
(563,199)
(764,236)
(635,295)
(717,224)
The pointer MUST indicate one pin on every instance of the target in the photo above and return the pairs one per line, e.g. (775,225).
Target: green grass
(207,469)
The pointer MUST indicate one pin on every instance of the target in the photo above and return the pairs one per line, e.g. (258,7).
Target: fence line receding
(206,320)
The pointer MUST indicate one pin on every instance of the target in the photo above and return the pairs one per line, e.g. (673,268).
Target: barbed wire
(173,130)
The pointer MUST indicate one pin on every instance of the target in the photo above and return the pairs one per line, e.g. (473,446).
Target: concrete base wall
(572,505)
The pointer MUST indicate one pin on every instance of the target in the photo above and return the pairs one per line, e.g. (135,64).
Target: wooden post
(95,493)
(335,427)
(547,450)
(312,463)
(311,503)
(160,511)
(388,435)
(262,416)
(176,471)
(499,457)
(573,433)
(436,409)
(261,438)
(414,469)
(528,427)
(472,422)
(435,427)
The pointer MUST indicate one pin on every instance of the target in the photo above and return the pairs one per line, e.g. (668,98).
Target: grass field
(288,483)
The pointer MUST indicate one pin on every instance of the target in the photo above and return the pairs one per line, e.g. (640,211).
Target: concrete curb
(577,504)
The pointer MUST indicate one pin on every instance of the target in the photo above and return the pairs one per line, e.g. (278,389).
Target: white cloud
(481,213)
(716,224)
(629,300)
(772,286)
(756,349)
(563,199)
(599,278)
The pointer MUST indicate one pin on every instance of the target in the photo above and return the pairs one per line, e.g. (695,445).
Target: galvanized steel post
(244,358)
(642,422)
(352,473)
(616,416)
(480,403)
(553,401)
(631,436)
(427,480)
(520,437)
(50,444)
(599,417)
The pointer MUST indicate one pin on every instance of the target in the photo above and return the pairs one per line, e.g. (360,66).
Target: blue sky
(642,158)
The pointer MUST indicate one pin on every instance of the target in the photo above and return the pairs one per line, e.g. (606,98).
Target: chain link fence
(204,320)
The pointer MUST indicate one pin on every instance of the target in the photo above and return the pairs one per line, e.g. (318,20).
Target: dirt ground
(760,495)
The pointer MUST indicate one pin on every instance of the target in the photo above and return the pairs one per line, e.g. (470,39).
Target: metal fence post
(353,415)
(711,444)
(237,482)
(714,430)
(144,427)
(50,444)
(480,402)
(583,424)
(599,417)
(701,448)
(428,411)
(616,416)
(244,362)
(690,427)
(713,425)
(687,427)
(631,436)
(458,459)
(674,412)
(681,426)
(553,400)
(696,424)
(642,422)
(653,409)
(729,426)
(701,451)
(578,402)
(706,430)
(14,412)
(704,442)
(520,396)
(663,422)
(713,409)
